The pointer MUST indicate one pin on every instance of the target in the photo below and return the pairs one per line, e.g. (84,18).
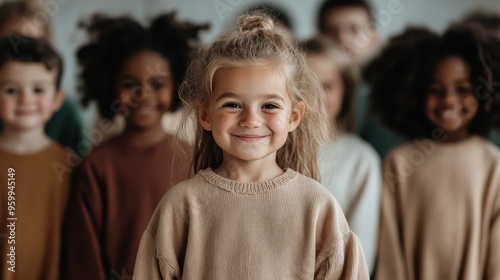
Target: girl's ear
(201,111)
(296,116)
(59,98)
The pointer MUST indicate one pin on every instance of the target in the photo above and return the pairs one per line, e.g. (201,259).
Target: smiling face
(250,113)
(450,103)
(351,28)
(28,95)
(331,80)
(144,89)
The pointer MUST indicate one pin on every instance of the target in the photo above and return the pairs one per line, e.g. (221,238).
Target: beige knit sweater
(441,212)
(209,227)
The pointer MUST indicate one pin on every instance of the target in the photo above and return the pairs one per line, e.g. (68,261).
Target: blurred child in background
(135,71)
(490,21)
(32,164)
(350,167)
(440,204)
(18,17)
(352,25)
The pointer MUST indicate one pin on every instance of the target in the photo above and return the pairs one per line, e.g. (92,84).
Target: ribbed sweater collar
(247,187)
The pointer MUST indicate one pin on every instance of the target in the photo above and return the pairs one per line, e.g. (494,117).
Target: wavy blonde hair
(256,43)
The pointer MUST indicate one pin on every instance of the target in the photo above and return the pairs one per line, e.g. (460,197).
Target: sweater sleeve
(364,210)
(391,264)
(163,244)
(342,255)
(83,256)
(150,265)
(493,260)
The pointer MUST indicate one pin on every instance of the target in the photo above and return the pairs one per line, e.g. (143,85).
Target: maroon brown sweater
(114,195)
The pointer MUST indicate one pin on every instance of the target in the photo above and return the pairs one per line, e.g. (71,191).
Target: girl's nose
(450,97)
(141,93)
(250,119)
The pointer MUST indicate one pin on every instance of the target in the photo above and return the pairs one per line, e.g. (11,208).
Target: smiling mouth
(145,110)
(250,138)
(451,114)
(24,112)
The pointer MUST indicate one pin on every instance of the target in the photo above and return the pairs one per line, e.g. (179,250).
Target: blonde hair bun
(255,22)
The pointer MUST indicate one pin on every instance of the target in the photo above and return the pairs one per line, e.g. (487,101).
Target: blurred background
(65,15)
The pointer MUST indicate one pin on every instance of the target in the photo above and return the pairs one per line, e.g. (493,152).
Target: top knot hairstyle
(113,40)
(256,43)
(255,23)
(400,75)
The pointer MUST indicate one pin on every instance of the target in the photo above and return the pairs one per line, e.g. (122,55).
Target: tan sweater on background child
(441,212)
(41,193)
(210,227)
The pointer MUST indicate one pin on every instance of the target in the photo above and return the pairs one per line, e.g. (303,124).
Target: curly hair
(349,74)
(256,43)
(114,40)
(279,14)
(400,75)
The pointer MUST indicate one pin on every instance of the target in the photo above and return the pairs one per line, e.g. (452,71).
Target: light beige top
(209,227)
(441,211)
(350,170)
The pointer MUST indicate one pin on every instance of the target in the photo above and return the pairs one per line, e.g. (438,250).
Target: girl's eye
(327,88)
(10,90)
(39,90)
(464,89)
(128,85)
(157,85)
(231,105)
(270,106)
(354,29)
(434,91)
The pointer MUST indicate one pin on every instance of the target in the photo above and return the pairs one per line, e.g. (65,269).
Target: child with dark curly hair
(135,71)
(441,195)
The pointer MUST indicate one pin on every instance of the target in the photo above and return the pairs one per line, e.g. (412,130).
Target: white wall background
(65,14)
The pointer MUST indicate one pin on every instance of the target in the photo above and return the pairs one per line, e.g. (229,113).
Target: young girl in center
(255,209)
(441,195)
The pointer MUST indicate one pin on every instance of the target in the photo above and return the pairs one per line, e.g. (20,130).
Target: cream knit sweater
(350,170)
(441,211)
(210,227)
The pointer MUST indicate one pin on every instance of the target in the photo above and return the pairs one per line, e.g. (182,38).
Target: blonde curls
(255,22)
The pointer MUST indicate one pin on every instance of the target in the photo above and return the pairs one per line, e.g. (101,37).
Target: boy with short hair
(351,24)
(21,18)
(34,183)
